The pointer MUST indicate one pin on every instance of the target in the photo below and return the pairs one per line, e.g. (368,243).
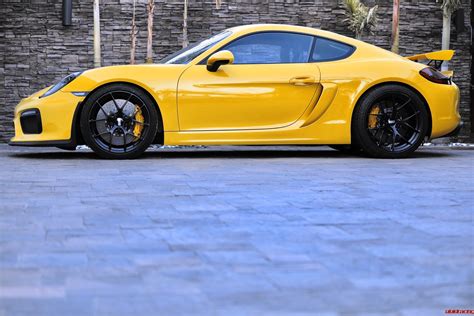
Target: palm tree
(97,58)
(360,17)
(149,50)
(448,6)
(395,29)
(133,36)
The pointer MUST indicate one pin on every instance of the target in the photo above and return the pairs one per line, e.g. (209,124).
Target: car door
(269,85)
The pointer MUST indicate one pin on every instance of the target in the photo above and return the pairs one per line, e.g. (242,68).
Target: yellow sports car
(254,84)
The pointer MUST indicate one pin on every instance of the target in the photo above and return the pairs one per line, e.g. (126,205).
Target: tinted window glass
(326,49)
(271,48)
(187,54)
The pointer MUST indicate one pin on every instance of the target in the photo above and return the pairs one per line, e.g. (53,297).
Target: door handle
(303,80)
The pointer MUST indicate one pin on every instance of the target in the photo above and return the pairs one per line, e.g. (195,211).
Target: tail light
(435,76)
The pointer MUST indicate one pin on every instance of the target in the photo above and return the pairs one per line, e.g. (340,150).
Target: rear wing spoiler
(435,59)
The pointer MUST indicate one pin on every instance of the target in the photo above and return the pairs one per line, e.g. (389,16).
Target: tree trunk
(395,28)
(218,4)
(97,58)
(446,37)
(149,50)
(133,36)
(185,24)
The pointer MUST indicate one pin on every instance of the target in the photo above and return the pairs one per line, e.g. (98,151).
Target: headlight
(61,84)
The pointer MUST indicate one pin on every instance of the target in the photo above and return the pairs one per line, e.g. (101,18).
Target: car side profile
(254,84)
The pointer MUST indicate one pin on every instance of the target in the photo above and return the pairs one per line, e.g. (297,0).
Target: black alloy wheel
(390,122)
(119,121)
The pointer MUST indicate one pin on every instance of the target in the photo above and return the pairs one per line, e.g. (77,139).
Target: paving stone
(236,231)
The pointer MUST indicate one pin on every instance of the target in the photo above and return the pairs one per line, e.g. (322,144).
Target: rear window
(327,50)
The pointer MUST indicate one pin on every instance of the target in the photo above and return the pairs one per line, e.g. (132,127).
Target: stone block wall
(37,50)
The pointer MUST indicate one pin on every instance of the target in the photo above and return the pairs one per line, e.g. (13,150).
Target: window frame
(313,40)
(311,51)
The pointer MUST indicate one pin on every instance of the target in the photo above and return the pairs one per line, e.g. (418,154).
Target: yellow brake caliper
(137,129)
(373,115)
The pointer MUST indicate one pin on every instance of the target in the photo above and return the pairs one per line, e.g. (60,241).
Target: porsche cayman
(254,84)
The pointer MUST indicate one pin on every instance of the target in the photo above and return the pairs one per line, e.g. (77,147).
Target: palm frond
(352,6)
(360,17)
(371,20)
(450,6)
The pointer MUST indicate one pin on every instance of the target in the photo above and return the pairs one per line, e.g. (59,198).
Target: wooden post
(149,43)
(133,36)
(185,24)
(97,59)
(395,29)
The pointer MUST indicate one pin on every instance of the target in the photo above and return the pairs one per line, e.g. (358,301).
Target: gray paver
(236,231)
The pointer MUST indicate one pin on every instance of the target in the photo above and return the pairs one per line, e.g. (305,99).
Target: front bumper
(47,121)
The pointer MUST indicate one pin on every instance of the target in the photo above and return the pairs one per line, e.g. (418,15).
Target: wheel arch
(386,83)
(76,125)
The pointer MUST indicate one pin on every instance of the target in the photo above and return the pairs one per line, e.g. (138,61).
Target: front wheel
(390,122)
(119,121)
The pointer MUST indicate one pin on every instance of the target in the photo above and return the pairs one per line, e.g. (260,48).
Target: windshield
(187,54)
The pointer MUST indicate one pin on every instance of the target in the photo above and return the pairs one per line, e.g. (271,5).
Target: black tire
(347,149)
(119,121)
(390,122)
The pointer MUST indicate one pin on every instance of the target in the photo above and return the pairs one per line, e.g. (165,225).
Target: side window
(326,50)
(271,48)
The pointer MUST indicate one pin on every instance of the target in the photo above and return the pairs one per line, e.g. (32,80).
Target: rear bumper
(456,131)
(444,107)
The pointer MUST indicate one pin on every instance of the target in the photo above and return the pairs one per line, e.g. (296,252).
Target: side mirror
(223,57)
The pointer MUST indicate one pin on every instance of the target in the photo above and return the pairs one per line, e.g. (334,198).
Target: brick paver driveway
(235,231)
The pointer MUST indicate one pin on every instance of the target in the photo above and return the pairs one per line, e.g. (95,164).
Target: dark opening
(30,121)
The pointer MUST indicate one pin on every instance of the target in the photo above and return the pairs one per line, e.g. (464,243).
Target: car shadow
(209,153)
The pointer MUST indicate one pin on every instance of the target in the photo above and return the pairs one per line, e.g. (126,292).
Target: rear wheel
(119,121)
(390,122)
